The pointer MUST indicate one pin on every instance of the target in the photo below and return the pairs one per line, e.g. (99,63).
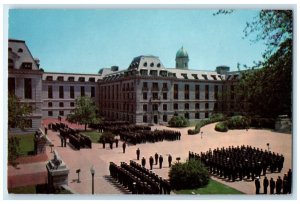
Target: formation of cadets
(138,179)
(280,186)
(78,140)
(143,136)
(234,163)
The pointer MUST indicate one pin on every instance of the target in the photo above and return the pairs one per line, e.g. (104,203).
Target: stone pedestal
(57,172)
(283,124)
(40,142)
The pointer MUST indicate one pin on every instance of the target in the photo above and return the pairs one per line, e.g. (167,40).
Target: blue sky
(84,41)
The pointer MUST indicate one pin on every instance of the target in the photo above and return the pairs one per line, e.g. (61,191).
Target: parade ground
(98,157)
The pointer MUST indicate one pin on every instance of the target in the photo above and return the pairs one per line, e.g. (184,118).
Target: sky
(84,41)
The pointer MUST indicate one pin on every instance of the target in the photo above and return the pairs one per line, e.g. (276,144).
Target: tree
(17,112)
(189,175)
(178,121)
(17,118)
(85,112)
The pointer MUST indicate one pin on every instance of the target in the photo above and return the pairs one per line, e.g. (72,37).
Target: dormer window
(49,78)
(152,64)
(60,78)
(81,79)
(184,75)
(158,65)
(71,79)
(145,64)
(20,50)
(92,79)
(26,65)
(153,72)
(163,73)
(195,76)
(144,72)
(214,77)
(205,76)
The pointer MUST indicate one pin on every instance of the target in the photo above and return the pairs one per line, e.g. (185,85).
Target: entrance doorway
(155,118)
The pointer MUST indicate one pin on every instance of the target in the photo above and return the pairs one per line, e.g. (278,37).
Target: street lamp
(268,145)
(93,173)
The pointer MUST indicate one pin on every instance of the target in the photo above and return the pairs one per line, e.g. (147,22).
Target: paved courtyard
(100,158)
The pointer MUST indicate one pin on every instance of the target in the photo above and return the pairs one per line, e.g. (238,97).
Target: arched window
(187,115)
(145,64)
(158,65)
(197,106)
(50,104)
(186,106)
(20,50)
(152,64)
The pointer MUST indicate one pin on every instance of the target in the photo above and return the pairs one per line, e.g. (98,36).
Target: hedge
(178,121)
(212,119)
(221,127)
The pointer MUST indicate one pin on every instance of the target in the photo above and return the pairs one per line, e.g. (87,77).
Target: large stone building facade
(144,93)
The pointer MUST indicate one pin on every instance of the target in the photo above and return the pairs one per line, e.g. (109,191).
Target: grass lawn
(94,135)
(213,187)
(26,144)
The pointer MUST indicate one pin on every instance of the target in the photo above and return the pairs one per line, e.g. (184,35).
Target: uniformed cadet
(143,162)
(156,158)
(272,186)
(138,154)
(117,143)
(124,147)
(266,184)
(160,161)
(151,161)
(257,185)
(111,145)
(278,185)
(170,160)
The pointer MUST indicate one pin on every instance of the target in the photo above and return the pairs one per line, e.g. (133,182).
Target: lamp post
(268,145)
(93,173)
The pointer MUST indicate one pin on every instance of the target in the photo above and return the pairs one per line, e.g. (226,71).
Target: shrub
(258,122)
(107,137)
(189,175)
(212,119)
(178,121)
(238,122)
(221,127)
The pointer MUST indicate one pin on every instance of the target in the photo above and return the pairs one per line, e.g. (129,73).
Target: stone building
(144,93)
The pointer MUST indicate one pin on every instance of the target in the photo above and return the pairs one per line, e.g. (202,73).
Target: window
(197,115)
(152,64)
(11,85)
(10,64)
(145,108)
(165,118)
(175,106)
(71,79)
(186,106)
(50,92)
(184,76)
(153,72)
(28,123)
(165,107)
(145,96)
(197,91)
(205,76)
(27,88)
(72,92)
(175,114)
(60,78)
(155,96)
(155,86)
(216,106)
(206,92)
(197,106)
(50,113)
(61,92)
(144,118)
(81,79)
(186,91)
(93,92)
(61,104)
(158,65)
(175,91)
(50,104)
(206,105)
(61,113)
(145,64)
(195,76)
(216,91)
(26,65)
(155,107)
(144,72)
(92,79)
(206,114)
(49,78)
(214,77)
(20,50)
(232,92)
(72,104)
(9,49)
(165,96)
(82,91)
(187,115)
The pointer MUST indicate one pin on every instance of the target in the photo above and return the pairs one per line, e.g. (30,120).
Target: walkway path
(100,158)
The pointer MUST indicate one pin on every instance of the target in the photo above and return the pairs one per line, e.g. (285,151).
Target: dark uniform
(278,185)
(143,162)
(266,184)
(170,160)
(160,161)
(138,154)
(156,158)
(257,186)
(124,147)
(151,161)
(117,143)
(272,186)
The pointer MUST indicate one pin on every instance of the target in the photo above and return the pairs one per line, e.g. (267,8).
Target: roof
(182,53)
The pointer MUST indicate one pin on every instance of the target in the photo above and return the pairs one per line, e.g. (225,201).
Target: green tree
(17,118)
(85,112)
(17,112)
(189,175)
(178,121)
